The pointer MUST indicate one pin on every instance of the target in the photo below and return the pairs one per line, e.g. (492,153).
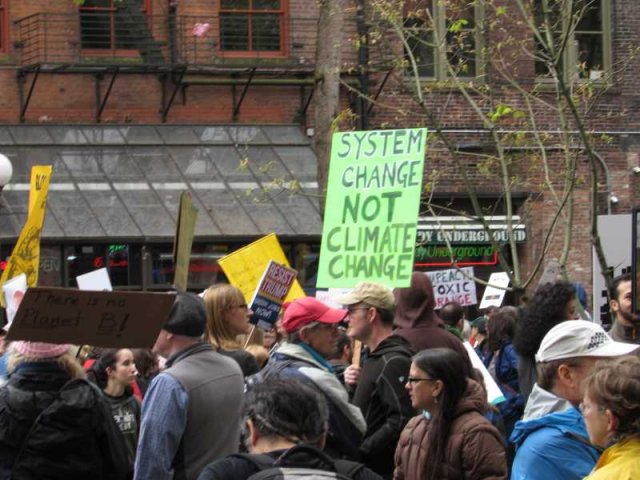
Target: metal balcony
(138,41)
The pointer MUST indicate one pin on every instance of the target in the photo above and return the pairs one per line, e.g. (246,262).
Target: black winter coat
(384,402)
(235,467)
(54,428)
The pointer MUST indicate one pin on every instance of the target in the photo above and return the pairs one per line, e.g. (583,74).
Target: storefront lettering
(469,236)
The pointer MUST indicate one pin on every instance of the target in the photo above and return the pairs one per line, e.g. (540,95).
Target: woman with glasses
(451,438)
(611,410)
(228,317)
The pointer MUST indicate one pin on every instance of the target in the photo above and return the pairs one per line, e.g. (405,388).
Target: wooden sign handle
(357,350)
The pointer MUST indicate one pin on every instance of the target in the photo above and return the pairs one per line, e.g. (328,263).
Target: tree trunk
(326,92)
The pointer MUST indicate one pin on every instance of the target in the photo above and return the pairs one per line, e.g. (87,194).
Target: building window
(252,26)
(4,24)
(444,38)
(113,24)
(588,45)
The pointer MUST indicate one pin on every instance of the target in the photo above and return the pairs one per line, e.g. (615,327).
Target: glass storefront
(151,266)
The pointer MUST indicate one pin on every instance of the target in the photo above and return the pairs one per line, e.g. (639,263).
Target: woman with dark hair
(551,304)
(451,439)
(502,363)
(113,372)
(611,410)
(147,365)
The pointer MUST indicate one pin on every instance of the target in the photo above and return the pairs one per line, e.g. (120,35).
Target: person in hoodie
(379,385)
(551,440)
(416,321)
(451,439)
(312,334)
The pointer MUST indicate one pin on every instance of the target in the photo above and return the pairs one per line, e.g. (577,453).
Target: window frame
(571,54)
(283,13)
(440,70)
(112,51)
(4,26)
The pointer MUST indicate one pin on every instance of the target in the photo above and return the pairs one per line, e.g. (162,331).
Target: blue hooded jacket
(507,379)
(553,447)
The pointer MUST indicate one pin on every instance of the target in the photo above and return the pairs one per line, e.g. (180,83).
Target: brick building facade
(248,62)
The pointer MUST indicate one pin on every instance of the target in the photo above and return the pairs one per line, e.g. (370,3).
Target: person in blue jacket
(502,362)
(551,440)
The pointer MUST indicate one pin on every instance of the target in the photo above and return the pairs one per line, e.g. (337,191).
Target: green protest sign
(371,212)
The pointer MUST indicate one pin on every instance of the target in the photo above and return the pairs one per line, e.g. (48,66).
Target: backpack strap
(347,468)
(261,461)
(583,440)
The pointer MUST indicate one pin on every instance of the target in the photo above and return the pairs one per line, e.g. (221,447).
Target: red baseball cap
(303,311)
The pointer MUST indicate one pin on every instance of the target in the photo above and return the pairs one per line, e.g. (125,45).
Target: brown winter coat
(474,451)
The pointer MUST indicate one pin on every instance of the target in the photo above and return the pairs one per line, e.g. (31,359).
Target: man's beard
(632,318)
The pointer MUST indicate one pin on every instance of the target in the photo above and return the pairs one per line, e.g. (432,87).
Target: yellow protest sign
(244,267)
(40,178)
(25,257)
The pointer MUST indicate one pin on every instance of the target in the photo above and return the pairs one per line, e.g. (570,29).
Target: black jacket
(54,428)
(384,402)
(237,467)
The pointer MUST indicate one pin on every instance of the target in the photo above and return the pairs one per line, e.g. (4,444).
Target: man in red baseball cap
(312,334)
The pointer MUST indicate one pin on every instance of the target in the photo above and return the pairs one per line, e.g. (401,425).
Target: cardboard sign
(187,216)
(454,285)
(272,290)
(25,257)
(494,394)
(371,213)
(98,281)
(244,267)
(495,291)
(103,319)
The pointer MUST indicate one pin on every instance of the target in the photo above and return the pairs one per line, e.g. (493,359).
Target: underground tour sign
(371,212)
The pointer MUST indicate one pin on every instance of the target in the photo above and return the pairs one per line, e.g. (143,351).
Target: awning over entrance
(125,181)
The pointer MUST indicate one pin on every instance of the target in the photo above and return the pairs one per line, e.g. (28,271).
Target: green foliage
(457,25)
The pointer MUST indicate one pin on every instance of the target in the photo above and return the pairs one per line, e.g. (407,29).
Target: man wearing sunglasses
(379,385)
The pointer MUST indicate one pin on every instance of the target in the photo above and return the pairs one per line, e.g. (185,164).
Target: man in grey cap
(191,412)
(551,439)
(379,385)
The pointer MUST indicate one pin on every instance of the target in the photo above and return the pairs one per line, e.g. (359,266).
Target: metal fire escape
(179,50)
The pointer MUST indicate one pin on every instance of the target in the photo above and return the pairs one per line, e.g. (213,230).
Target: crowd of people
(382,388)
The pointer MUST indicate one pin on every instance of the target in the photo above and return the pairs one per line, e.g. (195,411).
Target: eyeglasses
(412,380)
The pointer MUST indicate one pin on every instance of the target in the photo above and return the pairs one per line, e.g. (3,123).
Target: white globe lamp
(6,170)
